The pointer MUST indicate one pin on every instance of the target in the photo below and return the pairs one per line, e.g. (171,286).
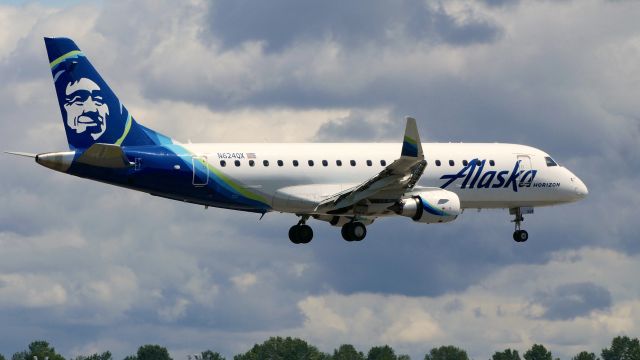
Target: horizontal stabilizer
(21,154)
(104,155)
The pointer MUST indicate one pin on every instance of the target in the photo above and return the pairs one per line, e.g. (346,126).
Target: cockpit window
(550,161)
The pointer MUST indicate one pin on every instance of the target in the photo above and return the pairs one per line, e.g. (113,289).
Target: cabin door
(525,162)
(200,170)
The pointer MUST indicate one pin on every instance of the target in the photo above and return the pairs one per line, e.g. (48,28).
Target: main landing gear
(519,235)
(354,231)
(301,233)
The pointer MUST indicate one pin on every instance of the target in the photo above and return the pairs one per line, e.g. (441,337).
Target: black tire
(294,234)
(358,231)
(346,232)
(305,234)
(524,235)
(520,235)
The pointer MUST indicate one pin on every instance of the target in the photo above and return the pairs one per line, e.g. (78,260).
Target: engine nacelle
(430,206)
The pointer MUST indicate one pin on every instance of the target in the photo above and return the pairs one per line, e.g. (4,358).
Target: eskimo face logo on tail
(476,178)
(85,108)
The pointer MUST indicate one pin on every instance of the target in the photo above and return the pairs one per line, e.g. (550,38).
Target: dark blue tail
(91,112)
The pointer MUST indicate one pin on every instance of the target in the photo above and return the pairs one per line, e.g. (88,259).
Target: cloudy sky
(91,267)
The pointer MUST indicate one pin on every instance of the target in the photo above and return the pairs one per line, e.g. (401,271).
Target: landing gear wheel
(359,231)
(293,234)
(346,232)
(305,233)
(520,235)
(354,231)
(300,234)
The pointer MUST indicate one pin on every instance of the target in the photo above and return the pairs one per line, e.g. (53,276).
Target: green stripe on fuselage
(231,183)
(244,192)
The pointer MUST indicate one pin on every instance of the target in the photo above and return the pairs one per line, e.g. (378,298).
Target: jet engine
(429,206)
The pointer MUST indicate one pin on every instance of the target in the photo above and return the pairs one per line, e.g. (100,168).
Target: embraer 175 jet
(346,185)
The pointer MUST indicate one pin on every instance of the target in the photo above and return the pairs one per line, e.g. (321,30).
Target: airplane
(348,185)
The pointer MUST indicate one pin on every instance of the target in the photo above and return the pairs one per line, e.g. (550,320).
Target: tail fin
(91,112)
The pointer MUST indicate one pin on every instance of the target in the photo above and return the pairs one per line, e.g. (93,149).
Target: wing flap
(393,181)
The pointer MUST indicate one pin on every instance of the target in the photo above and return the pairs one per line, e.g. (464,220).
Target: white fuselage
(291,188)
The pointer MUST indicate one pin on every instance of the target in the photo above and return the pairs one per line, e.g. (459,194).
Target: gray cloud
(283,23)
(360,126)
(500,2)
(569,301)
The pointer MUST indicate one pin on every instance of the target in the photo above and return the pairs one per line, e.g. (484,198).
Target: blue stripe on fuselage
(156,173)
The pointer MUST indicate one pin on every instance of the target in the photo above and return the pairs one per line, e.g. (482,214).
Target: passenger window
(325,163)
(438,163)
(237,162)
(369,163)
(252,163)
(295,163)
(280,163)
(265,163)
(550,161)
(223,163)
(465,162)
(310,162)
(339,162)
(492,163)
(383,163)
(352,162)
(452,163)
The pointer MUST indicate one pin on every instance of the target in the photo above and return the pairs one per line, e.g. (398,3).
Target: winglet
(411,146)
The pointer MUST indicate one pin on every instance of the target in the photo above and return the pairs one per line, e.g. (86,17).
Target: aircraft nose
(580,188)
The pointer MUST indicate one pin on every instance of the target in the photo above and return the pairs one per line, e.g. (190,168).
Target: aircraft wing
(390,183)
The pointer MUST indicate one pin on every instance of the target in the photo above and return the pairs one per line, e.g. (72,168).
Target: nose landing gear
(520,235)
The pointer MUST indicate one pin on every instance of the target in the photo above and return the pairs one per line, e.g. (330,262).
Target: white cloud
(318,313)
(414,325)
(299,269)
(244,281)
(43,243)
(31,290)
(203,293)
(116,292)
(15,22)
(188,122)
(494,314)
(175,311)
